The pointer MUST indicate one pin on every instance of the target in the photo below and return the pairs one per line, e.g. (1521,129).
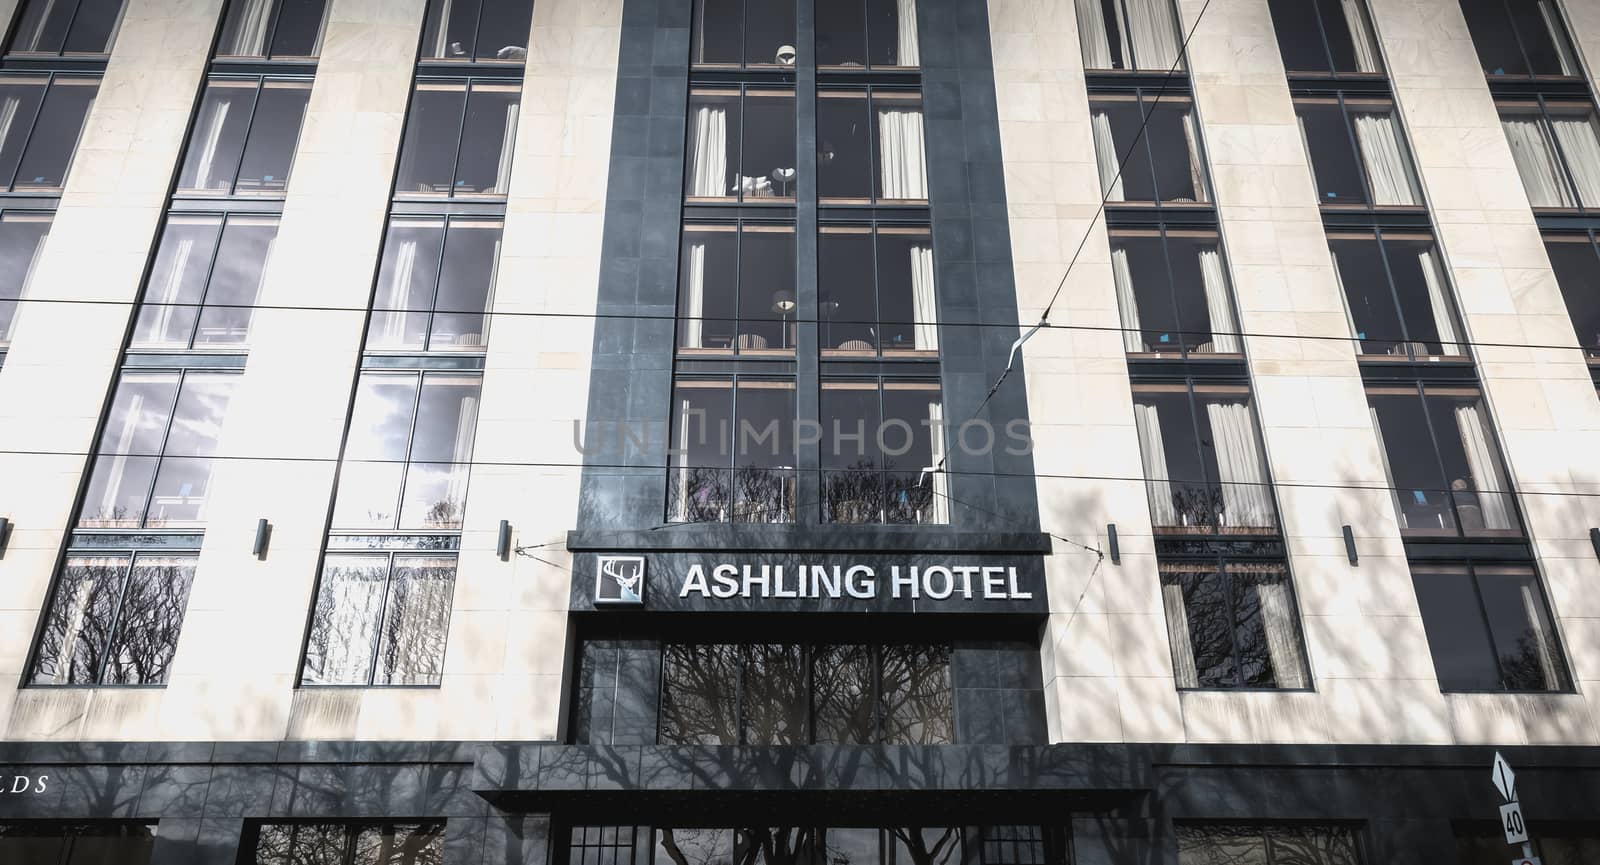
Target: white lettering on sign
(815,582)
(20,784)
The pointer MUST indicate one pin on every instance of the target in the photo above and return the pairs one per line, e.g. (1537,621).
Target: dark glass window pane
(484,166)
(20,98)
(344,844)
(841,686)
(273,136)
(1209,623)
(344,623)
(700,478)
(466,280)
(1358,264)
(272,28)
(1333,157)
(148,622)
(908,313)
(764,451)
(412,252)
(78,625)
(1493,37)
(375,450)
(708,288)
(236,280)
(94,843)
(892,33)
(1200,294)
(1139,266)
(1530,658)
(416,617)
(767,164)
(1413,462)
(1172,442)
(700,694)
(1463,656)
(846,302)
(1117,137)
(1577,270)
(769,38)
(841,33)
(1297,25)
(56,133)
(450,30)
(93,26)
(177,283)
(1180,175)
(678,845)
(766,286)
(1543,36)
(441,449)
(899,161)
(921,846)
(22,237)
(66,26)
(299,29)
(844,147)
(774,696)
(184,477)
(718,32)
(428,151)
(1427,315)
(909,459)
(1266,845)
(852,479)
(217,140)
(1266,627)
(503,30)
(916,696)
(852,846)
(1350,36)
(1466,447)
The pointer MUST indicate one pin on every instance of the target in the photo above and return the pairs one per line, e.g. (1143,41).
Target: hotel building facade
(788,432)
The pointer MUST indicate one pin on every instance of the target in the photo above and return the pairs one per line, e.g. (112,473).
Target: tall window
(736,291)
(1202,460)
(1232,624)
(870,147)
(484,31)
(883,451)
(1267,845)
(1520,38)
(741,144)
(876,292)
(744,33)
(1160,159)
(343,844)
(66,27)
(877,34)
(272,29)
(1325,37)
(1129,34)
(458,139)
(22,236)
(1489,628)
(1556,146)
(91,843)
(733,451)
(1577,267)
(1357,152)
(1172,292)
(114,619)
(42,117)
(207,277)
(380,619)
(1396,295)
(435,284)
(1442,461)
(245,136)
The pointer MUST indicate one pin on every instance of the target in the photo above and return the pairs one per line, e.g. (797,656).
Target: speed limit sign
(1511,822)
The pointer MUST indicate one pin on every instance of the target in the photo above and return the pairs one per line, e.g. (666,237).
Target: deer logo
(620,580)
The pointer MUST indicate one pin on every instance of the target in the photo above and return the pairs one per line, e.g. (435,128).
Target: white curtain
(1244,487)
(1442,319)
(508,141)
(250,39)
(924,309)
(1127,302)
(164,311)
(119,462)
(1536,162)
(1366,46)
(441,39)
(1152,27)
(1385,160)
(694,324)
(1557,32)
(1105,156)
(397,296)
(708,152)
(1388,472)
(1547,660)
(1486,477)
(466,426)
(32,42)
(1224,332)
(1579,144)
(8,116)
(1283,638)
(1092,39)
(1153,450)
(69,635)
(1344,300)
(1197,171)
(904,169)
(680,503)
(1183,669)
(941,480)
(208,150)
(906,51)
(355,601)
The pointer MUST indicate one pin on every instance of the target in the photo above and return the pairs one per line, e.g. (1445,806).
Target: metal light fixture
(502,547)
(1594,538)
(1350,545)
(1112,550)
(263,538)
(5,535)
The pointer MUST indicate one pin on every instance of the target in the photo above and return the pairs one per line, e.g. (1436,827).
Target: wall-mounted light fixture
(5,535)
(1350,545)
(263,538)
(1111,544)
(1594,538)
(502,547)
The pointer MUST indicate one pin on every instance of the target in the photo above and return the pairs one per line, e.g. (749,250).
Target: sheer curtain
(1283,638)
(508,140)
(1244,489)
(1486,477)
(708,152)
(32,42)
(8,116)
(171,291)
(1344,302)
(1536,162)
(1361,36)
(906,52)
(1183,668)
(461,455)
(9,325)
(1127,302)
(118,467)
(1197,171)
(1388,472)
(1224,332)
(1153,33)
(1153,449)
(441,40)
(924,310)
(1105,156)
(1387,166)
(1443,321)
(249,38)
(396,297)
(694,314)
(1558,38)
(1092,39)
(208,150)
(1541,638)
(1579,144)
(904,172)
(941,480)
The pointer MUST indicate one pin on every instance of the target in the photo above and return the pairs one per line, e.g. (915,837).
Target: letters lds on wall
(23,784)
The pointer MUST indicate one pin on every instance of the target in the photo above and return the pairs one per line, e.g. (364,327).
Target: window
(1172,292)
(1267,845)
(878,33)
(870,147)
(753,33)
(757,694)
(244,139)
(727,163)
(1129,34)
(1577,271)
(1556,147)
(1322,37)
(92,843)
(736,289)
(1442,461)
(458,139)
(66,27)
(152,467)
(1521,38)
(42,117)
(876,292)
(1489,628)
(272,29)
(1357,152)
(206,277)
(883,449)
(380,619)
(1396,294)
(434,284)
(114,620)
(809,845)
(1202,459)
(343,844)
(22,236)
(1160,162)
(1232,624)
(733,451)
(477,30)
(407,455)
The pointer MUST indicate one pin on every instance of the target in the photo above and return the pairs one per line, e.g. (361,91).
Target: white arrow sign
(1505,780)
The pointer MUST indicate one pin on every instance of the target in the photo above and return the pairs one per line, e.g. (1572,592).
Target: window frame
(1130,60)
(738,227)
(1349,106)
(1163,232)
(250,841)
(1565,36)
(447,220)
(468,84)
(389,555)
(225,218)
(1327,45)
(875,230)
(1222,562)
(268,55)
(1147,103)
(477,39)
(1591,238)
(1380,236)
(870,94)
(51,77)
(9,215)
(733,383)
(1193,387)
(63,54)
(1264,831)
(1470,569)
(880,385)
(233,192)
(1538,107)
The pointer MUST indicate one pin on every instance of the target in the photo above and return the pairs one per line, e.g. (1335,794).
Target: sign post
(1511,821)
